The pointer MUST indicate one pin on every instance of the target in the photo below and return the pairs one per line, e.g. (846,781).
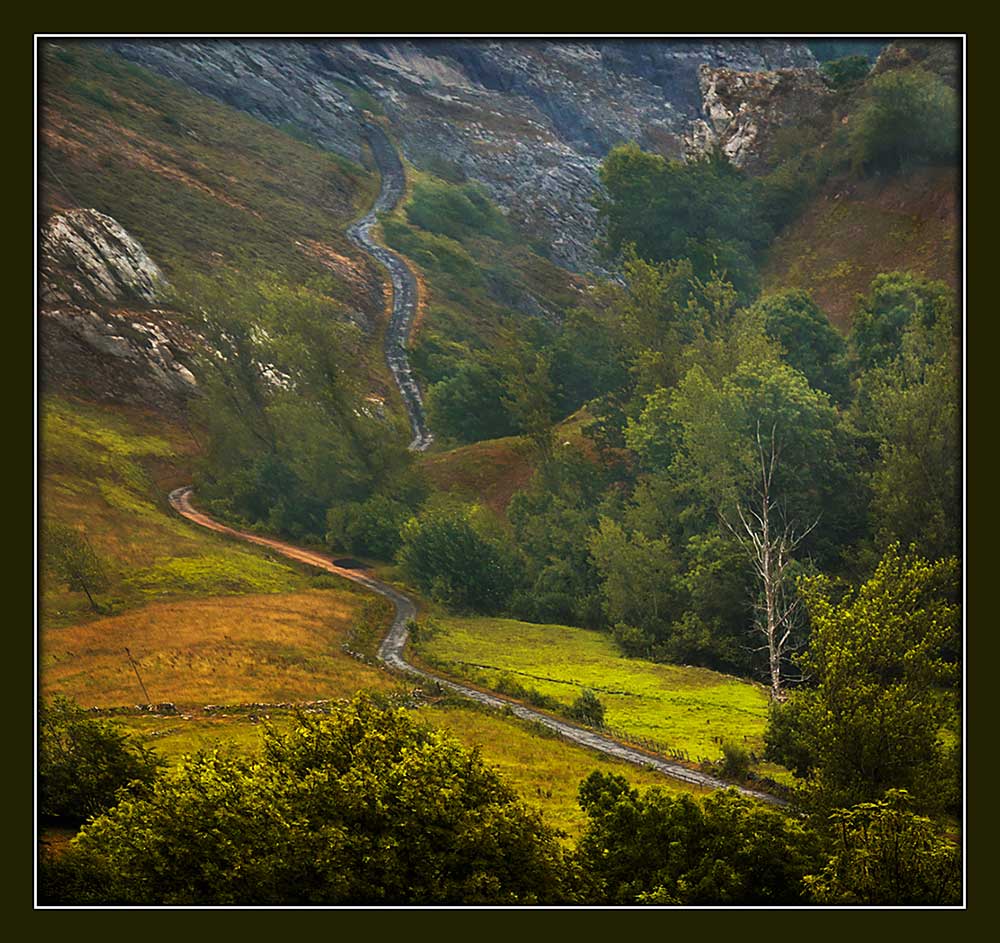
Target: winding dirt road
(404,283)
(391,653)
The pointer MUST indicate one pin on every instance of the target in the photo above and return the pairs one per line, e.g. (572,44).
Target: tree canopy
(880,710)
(83,762)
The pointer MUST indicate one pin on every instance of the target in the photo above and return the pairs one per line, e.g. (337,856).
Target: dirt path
(404,283)
(391,653)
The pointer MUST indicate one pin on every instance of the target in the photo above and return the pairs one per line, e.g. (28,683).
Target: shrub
(735,761)
(363,807)
(885,855)
(83,762)
(588,709)
(447,552)
(370,527)
(845,72)
(909,118)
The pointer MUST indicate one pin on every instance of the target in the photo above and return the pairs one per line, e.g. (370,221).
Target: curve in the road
(404,283)
(391,653)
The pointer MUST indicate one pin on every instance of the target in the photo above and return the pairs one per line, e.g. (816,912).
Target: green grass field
(687,709)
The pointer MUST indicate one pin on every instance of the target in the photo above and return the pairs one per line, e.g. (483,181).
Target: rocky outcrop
(88,257)
(529,119)
(100,332)
(743,110)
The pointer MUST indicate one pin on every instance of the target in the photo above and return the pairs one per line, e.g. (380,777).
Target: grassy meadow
(260,648)
(684,708)
(106,471)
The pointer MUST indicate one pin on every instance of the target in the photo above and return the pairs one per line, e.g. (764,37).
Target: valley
(470,453)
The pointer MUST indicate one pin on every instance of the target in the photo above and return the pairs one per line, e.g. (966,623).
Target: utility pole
(135,668)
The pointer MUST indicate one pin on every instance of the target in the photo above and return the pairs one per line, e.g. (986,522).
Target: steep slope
(204,188)
(853,230)
(530,119)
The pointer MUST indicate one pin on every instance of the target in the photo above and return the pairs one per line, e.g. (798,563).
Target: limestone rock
(743,110)
(89,257)
(100,334)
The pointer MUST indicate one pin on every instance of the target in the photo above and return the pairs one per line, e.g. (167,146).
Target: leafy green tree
(885,855)
(530,401)
(68,554)
(810,343)
(363,807)
(84,761)
(883,670)
(290,431)
(700,210)
(470,405)
(914,416)
(707,430)
(909,117)
(551,520)
(894,301)
(661,849)
(370,527)
(638,578)
(451,555)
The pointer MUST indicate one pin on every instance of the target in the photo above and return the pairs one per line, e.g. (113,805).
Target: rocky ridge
(529,119)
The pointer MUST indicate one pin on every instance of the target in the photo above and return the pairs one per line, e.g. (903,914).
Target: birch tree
(770,541)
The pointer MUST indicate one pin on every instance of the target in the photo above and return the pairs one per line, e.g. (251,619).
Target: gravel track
(404,283)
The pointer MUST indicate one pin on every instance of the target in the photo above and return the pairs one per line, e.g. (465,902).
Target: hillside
(528,119)
(205,189)
(853,230)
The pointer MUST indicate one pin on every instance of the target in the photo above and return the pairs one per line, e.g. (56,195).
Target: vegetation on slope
(489,302)
(105,473)
(196,182)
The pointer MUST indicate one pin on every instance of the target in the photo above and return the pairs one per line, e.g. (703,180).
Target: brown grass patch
(854,231)
(490,472)
(263,648)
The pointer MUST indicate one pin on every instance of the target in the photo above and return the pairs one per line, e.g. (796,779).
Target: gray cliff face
(100,332)
(529,119)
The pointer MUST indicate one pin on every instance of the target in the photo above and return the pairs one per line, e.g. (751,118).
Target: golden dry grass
(259,648)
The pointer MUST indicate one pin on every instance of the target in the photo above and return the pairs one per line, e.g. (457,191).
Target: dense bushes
(659,849)
(701,210)
(363,807)
(450,554)
(83,762)
(909,117)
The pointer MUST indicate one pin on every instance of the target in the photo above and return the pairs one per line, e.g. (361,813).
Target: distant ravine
(390,652)
(404,283)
